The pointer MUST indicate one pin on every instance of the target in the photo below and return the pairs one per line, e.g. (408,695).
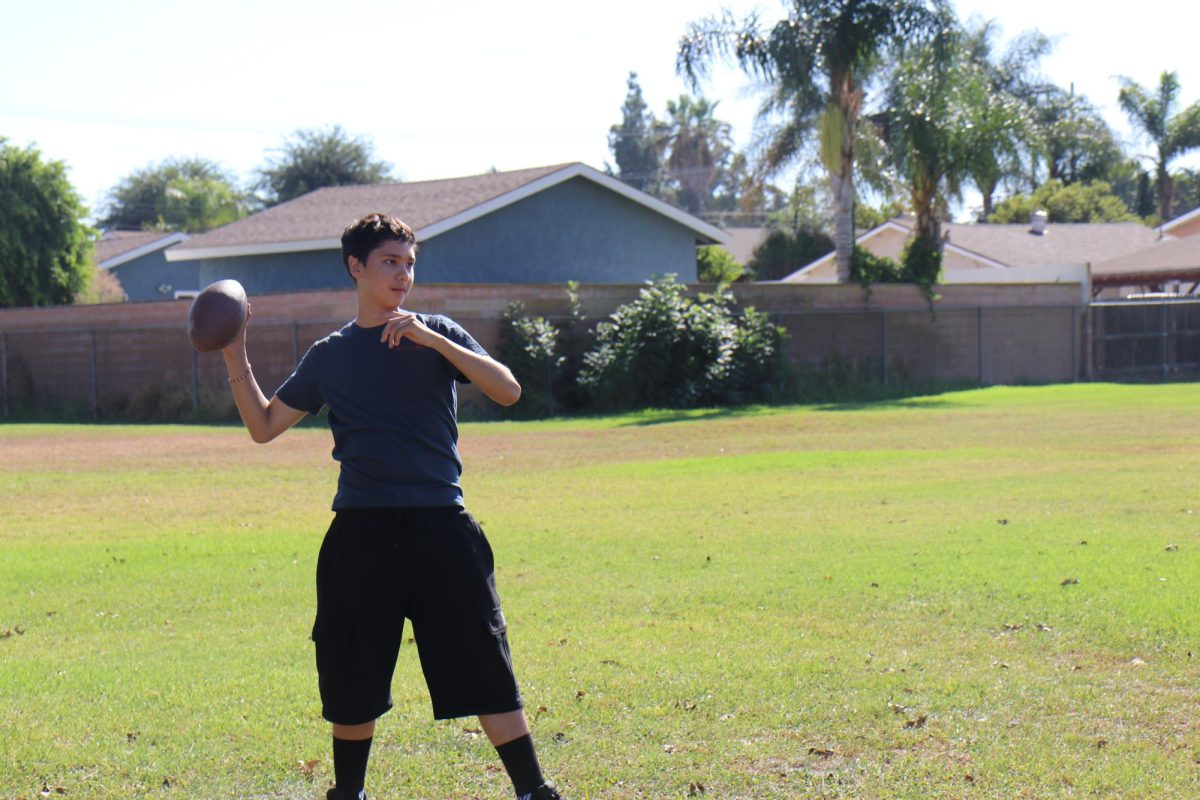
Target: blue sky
(442,89)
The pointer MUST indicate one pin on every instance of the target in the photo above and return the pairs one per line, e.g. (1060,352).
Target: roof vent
(1037,222)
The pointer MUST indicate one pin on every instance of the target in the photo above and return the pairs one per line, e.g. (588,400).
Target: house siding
(576,230)
(141,278)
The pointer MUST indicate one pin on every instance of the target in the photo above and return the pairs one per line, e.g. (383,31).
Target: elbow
(510,395)
(261,437)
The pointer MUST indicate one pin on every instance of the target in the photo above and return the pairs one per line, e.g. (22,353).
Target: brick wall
(98,357)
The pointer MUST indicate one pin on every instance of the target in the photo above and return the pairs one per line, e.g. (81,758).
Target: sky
(441,89)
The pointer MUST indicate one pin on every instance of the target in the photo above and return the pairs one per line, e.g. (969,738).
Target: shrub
(715,264)
(666,350)
(529,347)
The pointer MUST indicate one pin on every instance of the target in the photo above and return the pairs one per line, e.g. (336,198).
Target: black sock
(522,764)
(350,765)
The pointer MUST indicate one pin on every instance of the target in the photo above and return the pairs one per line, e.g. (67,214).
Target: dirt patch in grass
(102,448)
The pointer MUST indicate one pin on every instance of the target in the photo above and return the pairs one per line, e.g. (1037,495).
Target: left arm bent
(493,378)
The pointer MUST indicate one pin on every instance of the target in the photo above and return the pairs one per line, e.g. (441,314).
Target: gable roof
(1182,219)
(315,221)
(1018,246)
(1168,259)
(118,247)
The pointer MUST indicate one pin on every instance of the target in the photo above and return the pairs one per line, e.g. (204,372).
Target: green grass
(858,601)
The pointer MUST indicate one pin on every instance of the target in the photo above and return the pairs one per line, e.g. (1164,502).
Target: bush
(867,268)
(783,252)
(529,347)
(715,264)
(669,351)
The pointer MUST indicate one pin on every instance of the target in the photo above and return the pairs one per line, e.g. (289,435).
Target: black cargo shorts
(433,566)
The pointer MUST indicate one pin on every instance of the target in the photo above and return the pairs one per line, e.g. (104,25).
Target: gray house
(138,260)
(543,225)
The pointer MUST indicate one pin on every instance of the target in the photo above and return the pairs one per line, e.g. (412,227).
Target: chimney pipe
(1037,222)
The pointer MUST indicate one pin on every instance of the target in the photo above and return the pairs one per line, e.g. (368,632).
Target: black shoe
(336,794)
(546,792)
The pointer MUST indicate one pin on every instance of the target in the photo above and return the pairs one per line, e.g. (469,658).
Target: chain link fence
(1145,340)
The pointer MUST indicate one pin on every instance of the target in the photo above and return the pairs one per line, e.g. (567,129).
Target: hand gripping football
(217,316)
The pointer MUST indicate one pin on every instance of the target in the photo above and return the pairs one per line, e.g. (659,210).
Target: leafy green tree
(312,159)
(184,194)
(817,62)
(1076,144)
(1172,131)
(634,142)
(1075,202)
(1187,191)
(785,251)
(715,264)
(45,248)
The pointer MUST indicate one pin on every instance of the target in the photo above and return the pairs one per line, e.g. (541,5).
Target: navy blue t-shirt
(393,413)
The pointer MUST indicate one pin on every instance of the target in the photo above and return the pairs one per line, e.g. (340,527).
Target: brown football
(217,315)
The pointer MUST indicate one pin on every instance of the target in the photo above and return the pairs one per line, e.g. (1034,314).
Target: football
(217,315)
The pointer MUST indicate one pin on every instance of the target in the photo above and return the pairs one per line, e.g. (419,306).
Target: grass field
(987,594)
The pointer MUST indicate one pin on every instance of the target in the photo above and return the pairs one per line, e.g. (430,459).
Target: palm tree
(697,144)
(817,62)
(1172,133)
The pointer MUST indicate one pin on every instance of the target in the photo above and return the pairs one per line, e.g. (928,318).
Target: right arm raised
(264,419)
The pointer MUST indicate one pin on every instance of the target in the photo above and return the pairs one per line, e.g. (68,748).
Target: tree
(1076,144)
(633,143)
(1000,115)
(697,145)
(817,62)
(1075,202)
(183,194)
(45,248)
(312,159)
(935,97)
(1171,130)
(715,264)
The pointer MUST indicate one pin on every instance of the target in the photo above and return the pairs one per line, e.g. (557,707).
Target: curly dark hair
(371,230)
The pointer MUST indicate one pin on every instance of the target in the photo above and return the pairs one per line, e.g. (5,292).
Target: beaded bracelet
(241,377)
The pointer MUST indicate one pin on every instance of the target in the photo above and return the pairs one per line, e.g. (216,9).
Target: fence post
(95,380)
(295,343)
(195,380)
(1074,344)
(4,367)
(883,327)
(979,341)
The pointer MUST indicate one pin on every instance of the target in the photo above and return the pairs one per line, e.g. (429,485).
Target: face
(387,277)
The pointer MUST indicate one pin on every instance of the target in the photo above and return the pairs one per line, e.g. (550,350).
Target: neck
(372,316)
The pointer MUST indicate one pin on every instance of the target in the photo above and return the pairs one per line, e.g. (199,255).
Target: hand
(239,341)
(405,325)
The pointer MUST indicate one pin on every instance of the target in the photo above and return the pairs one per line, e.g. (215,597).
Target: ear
(356,266)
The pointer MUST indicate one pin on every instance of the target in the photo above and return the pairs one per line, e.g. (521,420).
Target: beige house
(981,249)
(1185,225)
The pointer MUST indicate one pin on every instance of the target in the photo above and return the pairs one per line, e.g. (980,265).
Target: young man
(401,543)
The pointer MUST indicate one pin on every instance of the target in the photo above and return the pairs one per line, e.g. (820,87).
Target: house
(543,225)
(1041,248)
(1184,225)
(138,260)
(1167,265)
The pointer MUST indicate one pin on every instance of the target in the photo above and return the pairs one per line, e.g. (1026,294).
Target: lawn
(983,594)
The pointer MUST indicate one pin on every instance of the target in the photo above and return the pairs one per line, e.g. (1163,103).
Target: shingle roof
(1168,259)
(116,247)
(316,220)
(1062,243)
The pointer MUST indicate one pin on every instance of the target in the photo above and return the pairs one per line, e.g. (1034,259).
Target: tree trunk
(843,222)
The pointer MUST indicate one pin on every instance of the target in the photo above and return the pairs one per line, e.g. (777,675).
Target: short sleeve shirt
(393,413)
